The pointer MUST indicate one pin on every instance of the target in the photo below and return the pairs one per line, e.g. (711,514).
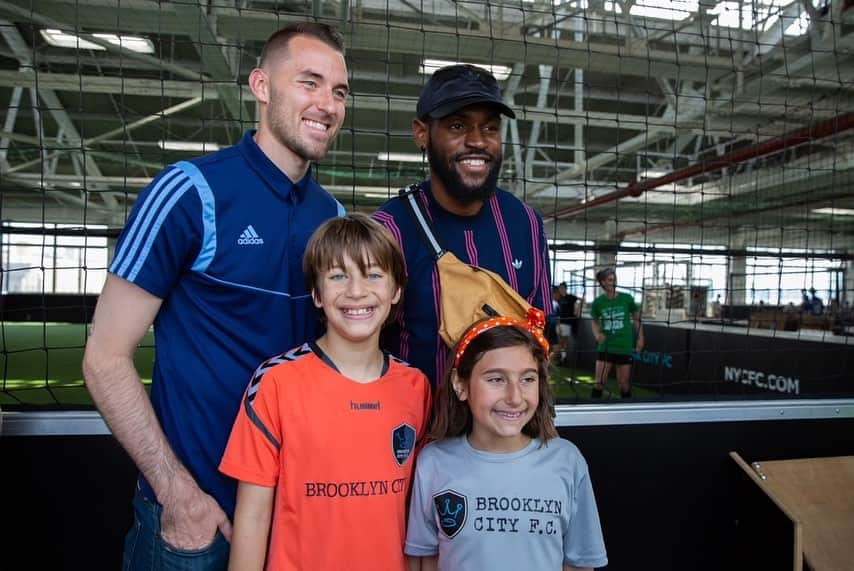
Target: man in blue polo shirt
(212,256)
(458,125)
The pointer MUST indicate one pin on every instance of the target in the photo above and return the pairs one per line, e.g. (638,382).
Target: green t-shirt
(615,319)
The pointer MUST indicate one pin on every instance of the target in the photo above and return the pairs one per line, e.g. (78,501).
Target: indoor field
(702,149)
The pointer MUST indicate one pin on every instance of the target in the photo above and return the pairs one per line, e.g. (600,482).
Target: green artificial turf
(571,384)
(41,364)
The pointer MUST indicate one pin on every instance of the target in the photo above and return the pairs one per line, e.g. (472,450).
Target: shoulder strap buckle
(409,195)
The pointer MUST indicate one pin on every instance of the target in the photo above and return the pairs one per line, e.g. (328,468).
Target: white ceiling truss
(603,95)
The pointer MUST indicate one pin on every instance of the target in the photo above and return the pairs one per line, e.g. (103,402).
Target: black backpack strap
(422,221)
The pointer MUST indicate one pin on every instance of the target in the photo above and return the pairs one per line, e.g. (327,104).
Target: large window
(570,267)
(779,279)
(53,258)
(673,278)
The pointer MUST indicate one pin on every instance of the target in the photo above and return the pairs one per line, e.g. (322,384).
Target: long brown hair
(453,417)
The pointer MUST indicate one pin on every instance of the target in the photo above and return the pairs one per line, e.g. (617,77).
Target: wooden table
(817,494)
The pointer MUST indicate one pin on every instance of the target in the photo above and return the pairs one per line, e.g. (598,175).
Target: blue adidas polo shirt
(220,240)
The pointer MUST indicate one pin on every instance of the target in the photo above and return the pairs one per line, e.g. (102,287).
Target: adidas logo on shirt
(250,237)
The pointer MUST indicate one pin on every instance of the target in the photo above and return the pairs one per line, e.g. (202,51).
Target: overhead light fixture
(835,211)
(402,157)
(362,190)
(800,26)
(61,39)
(428,66)
(188,146)
(675,11)
(651,173)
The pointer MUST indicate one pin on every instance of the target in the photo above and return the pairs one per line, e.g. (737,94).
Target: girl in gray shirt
(496,488)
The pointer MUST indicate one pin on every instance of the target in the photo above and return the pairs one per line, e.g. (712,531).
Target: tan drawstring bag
(467,293)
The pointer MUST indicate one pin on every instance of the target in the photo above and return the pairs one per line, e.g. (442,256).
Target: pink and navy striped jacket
(506,236)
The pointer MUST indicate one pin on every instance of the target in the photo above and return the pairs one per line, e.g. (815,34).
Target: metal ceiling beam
(224,76)
(534,135)
(754,89)
(110,134)
(775,36)
(189,89)
(689,110)
(799,137)
(23,53)
(509,95)
(241,25)
(497,46)
(831,61)
(29,14)
(9,125)
(81,83)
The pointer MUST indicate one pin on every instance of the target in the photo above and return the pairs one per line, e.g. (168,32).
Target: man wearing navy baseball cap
(458,126)
(454,87)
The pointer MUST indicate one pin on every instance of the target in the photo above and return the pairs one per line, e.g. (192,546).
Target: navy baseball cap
(456,86)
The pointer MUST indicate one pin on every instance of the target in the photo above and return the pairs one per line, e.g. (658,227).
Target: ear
(396,297)
(315,297)
(259,83)
(459,386)
(420,133)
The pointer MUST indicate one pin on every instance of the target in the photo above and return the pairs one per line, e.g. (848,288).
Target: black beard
(444,168)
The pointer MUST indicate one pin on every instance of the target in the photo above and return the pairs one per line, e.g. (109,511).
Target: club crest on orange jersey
(402,443)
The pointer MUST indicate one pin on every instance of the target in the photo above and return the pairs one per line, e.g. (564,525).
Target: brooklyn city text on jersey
(354,489)
(503,504)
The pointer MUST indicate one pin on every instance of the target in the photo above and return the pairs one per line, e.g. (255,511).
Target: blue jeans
(146,550)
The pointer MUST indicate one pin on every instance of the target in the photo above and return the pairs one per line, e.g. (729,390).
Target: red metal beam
(799,137)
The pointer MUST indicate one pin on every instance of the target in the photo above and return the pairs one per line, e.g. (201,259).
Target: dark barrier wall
(741,364)
(65,501)
(669,496)
(684,361)
(51,308)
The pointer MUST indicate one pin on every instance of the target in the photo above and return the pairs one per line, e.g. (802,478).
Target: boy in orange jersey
(325,440)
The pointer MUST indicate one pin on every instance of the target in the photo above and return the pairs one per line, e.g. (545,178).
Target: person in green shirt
(618,332)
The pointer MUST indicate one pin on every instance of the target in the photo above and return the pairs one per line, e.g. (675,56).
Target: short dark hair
(363,240)
(279,40)
(452,417)
(603,274)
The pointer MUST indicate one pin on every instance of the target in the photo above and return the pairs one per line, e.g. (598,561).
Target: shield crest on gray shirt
(452,509)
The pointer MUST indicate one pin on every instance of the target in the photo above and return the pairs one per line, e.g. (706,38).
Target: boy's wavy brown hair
(363,240)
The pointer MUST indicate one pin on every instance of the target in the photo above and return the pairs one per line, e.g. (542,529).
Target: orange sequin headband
(534,322)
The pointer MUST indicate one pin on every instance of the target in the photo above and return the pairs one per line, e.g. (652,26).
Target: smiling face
(356,303)
(464,150)
(503,394)
(303,96)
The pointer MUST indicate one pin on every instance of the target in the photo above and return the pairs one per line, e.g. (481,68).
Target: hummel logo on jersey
(517,263)
(250,237)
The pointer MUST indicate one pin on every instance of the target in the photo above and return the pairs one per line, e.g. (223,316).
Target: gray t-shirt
(531,509)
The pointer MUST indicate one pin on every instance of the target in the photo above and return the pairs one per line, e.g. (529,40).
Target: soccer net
(703,149)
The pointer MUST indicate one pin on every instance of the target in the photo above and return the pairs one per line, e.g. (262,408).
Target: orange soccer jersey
(340,455)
